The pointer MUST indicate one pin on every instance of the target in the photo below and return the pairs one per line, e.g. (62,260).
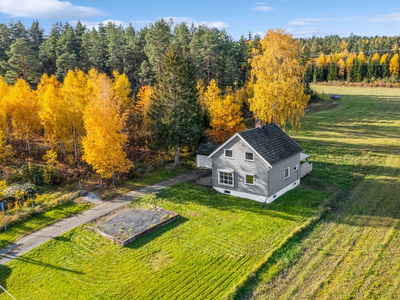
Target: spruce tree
(158,38)
(176,115)
(22,63)
(36,35)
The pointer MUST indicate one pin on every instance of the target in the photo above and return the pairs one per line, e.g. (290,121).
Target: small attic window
(249,156)
(228,153)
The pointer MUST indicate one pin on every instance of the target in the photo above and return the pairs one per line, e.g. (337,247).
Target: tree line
(162,88)
(353,59)
(136,53)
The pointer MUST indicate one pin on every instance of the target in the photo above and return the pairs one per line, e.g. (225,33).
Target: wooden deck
(305,169)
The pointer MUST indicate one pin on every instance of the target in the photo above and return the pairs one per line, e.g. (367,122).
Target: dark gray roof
(271,143)
(206,149)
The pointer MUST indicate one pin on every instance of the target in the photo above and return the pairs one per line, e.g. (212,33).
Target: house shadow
(5,272)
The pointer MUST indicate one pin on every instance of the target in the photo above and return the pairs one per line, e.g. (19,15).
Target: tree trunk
(101,181)
(29,146)
(177,162)
(113,178)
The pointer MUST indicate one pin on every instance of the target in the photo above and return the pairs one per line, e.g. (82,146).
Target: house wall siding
(277,179)
(241,167)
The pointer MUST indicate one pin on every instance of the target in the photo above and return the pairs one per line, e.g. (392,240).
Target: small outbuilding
(202,152)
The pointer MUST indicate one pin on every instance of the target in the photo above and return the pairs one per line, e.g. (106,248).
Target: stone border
(123,243)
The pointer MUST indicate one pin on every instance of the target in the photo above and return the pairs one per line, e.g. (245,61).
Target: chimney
(258,123)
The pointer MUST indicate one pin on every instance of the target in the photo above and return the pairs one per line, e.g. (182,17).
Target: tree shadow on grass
(149,237)
(5,272)
(28,260)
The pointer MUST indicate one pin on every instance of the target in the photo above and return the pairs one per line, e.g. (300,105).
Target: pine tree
(333,71)
(22,63)
(176,116)
(36,35)
(68,51)
(385,66)
(114,60)
(49,48)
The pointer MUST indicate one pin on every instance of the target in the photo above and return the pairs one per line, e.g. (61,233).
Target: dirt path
(41,236)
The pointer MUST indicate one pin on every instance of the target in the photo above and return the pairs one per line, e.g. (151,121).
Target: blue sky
(301,18)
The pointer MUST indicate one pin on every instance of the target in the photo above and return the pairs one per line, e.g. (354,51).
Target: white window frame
(228,156)
(254,179)
(226,171)
(284,171)
(248,153)
(295,168)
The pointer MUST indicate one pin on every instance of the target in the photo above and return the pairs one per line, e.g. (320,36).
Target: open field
(215,243)
(352,253)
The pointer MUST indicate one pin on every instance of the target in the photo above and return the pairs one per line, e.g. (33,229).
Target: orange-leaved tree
(76,92)
(142,108)
(54,112)
(24,111)
(103,143)
(394,65)
(4,108)
(226,119)
(278,80)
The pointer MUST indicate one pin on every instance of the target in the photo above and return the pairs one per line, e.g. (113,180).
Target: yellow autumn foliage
(226,119)
(103,143)
(278,86)
(24,111)
(142,107)
(394,65)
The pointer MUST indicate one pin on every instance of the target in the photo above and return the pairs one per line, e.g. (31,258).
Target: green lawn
(216,242)
(229,247)
(353,252)
(20,229)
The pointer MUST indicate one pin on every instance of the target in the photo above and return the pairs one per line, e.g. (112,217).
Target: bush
(39,174)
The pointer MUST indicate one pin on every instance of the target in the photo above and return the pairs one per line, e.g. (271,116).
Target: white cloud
(307,21)
(90,25)
(299,23)
(307,32)
(177,20)
(47,9)
(263,8)
(313,19)
(393,17)
(260,33)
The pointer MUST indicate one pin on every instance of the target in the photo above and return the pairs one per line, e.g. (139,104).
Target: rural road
(41,236)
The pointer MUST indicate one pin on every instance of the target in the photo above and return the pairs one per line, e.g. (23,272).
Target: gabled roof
(206,149)
(271,143)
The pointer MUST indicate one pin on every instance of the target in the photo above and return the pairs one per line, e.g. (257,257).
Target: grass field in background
(353,252)
(216,242)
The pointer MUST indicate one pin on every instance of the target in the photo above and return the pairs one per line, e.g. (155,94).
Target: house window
(248,156)
(228,153)
(295,168)
(249,179)
(225,178)
(287,173)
